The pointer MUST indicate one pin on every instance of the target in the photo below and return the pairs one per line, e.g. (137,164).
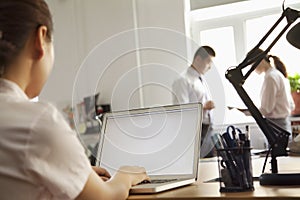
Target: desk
(209,170)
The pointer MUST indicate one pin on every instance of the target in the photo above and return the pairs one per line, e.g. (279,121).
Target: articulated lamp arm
(276,136)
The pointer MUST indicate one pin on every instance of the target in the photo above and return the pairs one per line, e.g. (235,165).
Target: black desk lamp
(293,36)
(276,136)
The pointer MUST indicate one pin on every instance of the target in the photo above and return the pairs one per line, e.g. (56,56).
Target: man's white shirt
(191,87)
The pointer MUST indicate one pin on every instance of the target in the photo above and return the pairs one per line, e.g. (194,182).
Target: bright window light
(232,30)
(244,7)
(286,52)
(225,57)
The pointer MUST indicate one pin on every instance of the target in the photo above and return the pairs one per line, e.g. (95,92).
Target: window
(232,33)
(225,52)
(287,53)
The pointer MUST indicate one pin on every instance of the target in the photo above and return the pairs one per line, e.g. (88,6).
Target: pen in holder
(234,161)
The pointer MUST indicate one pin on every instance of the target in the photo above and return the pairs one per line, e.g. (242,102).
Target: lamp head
(293,36)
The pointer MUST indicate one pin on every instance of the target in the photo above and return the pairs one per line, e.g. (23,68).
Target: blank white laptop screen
(158,139)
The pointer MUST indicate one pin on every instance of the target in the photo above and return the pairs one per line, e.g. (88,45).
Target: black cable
(264,166)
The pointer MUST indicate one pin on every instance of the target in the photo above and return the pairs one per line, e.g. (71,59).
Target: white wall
(96,44)
(163,53)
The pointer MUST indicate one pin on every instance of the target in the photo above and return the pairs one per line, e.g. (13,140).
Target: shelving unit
(295,122)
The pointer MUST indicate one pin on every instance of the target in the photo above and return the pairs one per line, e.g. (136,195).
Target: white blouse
(276,101)
(40,155)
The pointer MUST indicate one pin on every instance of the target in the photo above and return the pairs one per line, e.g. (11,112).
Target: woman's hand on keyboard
(133,173)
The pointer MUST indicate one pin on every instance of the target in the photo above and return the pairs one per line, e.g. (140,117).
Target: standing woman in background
(40,155)
(276,100)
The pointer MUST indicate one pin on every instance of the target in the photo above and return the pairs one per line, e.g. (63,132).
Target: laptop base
(150,188)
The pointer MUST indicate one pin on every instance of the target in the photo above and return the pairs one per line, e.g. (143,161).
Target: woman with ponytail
(276,100)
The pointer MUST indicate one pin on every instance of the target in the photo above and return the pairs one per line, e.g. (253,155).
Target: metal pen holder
(235,169)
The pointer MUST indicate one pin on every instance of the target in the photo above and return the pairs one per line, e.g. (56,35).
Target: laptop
(165,140)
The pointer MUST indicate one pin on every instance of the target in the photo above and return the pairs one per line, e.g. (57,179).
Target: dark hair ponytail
(279,65)
(18,20)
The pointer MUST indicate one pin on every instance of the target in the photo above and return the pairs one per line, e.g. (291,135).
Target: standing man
(191,87)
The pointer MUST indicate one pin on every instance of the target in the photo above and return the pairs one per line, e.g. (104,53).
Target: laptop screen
(164,140)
